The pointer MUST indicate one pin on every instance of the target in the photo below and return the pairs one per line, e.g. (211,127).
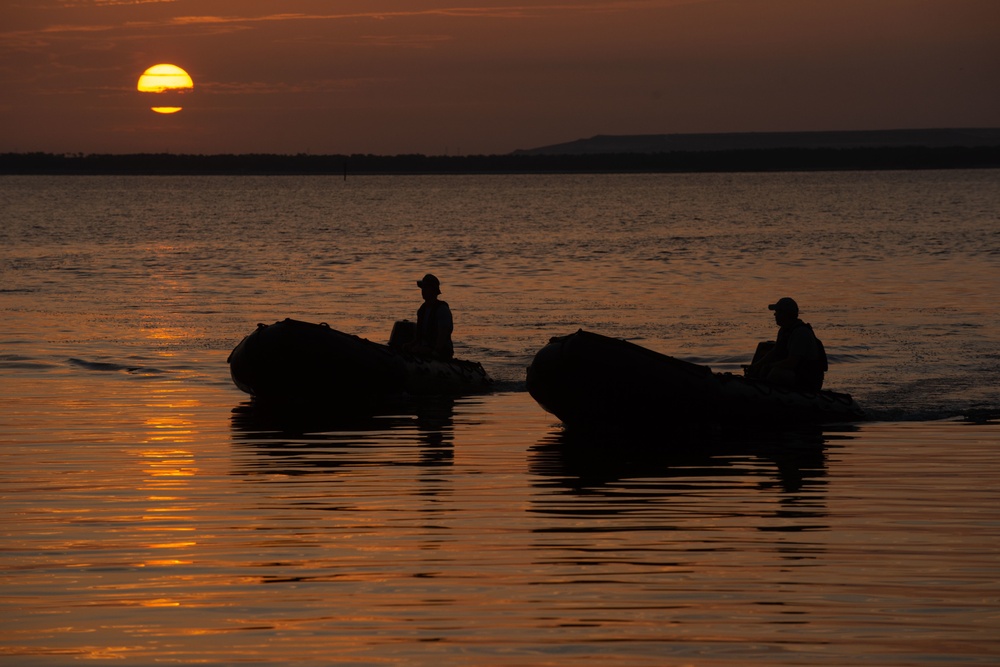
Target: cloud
(69,4)
(406,41)
(283,88)
(495,11)
(130,28)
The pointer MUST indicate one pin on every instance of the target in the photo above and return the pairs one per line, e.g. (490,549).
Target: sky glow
(417,76)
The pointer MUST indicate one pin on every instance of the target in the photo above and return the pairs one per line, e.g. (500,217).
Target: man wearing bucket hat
(434,322)
(796,358)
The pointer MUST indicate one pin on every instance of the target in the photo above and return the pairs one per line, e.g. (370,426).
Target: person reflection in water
(434,322)
(796,358)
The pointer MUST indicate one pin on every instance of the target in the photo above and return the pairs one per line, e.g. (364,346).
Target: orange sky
(441,77)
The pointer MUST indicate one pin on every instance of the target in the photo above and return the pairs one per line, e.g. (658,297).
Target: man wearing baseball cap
(797,358)
(434,321)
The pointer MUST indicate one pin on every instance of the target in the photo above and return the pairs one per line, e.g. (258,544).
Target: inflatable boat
(590,381)
(291,361)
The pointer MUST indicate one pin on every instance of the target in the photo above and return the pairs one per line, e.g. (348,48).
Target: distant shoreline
(744,160)
(967,137)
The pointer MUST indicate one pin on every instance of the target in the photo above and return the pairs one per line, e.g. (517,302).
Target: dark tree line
(778,159)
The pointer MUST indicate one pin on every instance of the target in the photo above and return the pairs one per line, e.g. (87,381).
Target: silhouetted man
(434,322)
(797,358)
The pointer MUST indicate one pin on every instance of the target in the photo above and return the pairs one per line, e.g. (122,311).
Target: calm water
(150,514)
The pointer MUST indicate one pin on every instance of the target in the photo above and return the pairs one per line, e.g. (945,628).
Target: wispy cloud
(507,12)
(284,88)
(496,11)
(70,4)
(405,41)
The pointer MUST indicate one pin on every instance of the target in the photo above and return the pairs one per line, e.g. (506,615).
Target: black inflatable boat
(293,360)
(591,381)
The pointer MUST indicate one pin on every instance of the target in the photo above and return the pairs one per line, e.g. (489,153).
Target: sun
(160,78)
(165,82)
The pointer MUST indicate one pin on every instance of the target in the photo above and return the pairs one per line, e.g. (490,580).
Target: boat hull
(293,360)
(592,381)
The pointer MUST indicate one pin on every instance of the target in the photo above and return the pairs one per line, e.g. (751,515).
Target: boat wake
(108,367)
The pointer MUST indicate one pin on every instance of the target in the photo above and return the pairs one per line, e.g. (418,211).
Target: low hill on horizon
(755,151)
(733,141)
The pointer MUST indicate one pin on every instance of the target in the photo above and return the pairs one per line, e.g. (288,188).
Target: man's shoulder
(442,310)
(806,329)
(803,339)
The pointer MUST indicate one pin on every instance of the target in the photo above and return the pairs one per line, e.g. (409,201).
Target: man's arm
(445,326)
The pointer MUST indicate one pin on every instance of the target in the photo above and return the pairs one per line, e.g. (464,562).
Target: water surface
(152,514)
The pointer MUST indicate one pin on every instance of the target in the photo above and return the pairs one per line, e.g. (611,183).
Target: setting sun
(167,82)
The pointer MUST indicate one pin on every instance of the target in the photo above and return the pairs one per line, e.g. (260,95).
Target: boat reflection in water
(691,524)
(631,468)
(309,436)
